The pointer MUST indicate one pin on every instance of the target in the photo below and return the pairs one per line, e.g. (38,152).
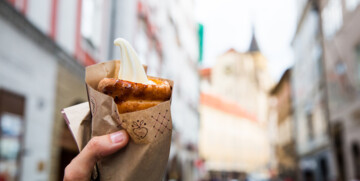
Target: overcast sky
(227,24)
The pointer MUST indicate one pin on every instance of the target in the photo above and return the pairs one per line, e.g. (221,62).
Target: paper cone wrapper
(145,157)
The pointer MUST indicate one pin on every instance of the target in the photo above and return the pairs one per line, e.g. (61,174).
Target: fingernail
(117,137)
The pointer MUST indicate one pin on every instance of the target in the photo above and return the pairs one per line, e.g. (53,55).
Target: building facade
(341,43)
(281,112)
(51,42)
(313,144)
(38,77)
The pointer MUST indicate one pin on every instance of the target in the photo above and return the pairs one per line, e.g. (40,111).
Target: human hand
(98,147)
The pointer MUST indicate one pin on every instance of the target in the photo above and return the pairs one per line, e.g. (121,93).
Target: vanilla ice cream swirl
(131,68)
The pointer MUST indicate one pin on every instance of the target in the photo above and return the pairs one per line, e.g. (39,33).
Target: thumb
(98,147)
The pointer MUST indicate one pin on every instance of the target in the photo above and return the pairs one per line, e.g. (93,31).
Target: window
(341,70)
(357,51)
(92,26)
(11,134)
(332,18)
(310,125)
(352,4)
(317,57)
(228,70)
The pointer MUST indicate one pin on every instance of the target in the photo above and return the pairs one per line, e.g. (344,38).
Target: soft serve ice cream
(130,67)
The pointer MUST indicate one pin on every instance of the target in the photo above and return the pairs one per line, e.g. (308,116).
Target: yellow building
(230,138)
(233,113)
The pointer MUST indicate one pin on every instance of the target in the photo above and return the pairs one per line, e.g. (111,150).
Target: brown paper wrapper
(145,157)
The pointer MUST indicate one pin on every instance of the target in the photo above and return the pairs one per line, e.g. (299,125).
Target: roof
(226,106)
(205,72)
(283,78)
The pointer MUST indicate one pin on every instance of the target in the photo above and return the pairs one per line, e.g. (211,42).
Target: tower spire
(253,44)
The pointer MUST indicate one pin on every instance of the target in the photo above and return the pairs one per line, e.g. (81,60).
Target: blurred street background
(264,90)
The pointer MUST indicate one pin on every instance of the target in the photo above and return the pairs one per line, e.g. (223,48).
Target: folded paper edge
(68,125)
(68,122)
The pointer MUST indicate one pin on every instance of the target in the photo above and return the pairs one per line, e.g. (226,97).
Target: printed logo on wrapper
(144,129)
(161,123)
(138,128)
(93,106)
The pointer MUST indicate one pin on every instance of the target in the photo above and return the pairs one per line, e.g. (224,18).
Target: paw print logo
(138,128)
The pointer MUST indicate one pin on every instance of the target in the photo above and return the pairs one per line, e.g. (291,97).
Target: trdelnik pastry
(122,96)
(131,89)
